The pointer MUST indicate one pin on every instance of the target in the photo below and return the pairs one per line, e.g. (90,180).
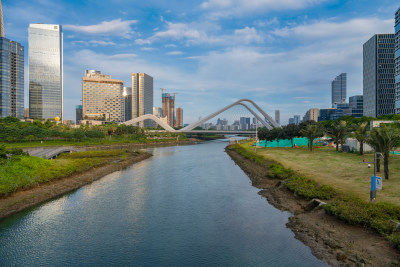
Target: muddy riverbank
(25,199)
(330,239)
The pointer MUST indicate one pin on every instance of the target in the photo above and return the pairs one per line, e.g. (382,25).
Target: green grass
(22,172)
(88,142)
(341,178)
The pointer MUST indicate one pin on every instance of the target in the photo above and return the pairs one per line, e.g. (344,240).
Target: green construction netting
(284,142)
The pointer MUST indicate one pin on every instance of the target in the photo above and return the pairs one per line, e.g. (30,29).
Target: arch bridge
(268,121)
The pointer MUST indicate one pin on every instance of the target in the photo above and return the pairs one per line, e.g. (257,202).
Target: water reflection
(186,206)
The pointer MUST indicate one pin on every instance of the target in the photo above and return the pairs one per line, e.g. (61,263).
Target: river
(185,206)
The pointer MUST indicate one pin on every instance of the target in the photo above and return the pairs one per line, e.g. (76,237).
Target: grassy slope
(26,171)
(105,141)
(345,172)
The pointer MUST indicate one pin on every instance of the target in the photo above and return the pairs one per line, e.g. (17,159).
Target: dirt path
(28,198)
(330,240)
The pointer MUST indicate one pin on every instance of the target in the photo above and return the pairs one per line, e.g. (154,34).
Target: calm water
(186,206)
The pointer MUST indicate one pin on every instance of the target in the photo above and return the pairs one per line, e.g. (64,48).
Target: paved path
(48,153)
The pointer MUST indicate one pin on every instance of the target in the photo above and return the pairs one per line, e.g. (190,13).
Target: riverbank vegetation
(342,179)
(15,133)
(23,171)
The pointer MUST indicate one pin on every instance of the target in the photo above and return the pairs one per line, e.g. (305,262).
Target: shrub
(278,171)
(308,188)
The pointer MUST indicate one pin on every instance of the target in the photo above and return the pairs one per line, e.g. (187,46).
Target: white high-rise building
(142,97)
(45,71)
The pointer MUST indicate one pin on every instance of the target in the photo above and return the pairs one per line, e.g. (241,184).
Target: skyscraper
(102,97)
(339,87)
(397,59)
(127,95)
(142,97)
(278,116)
(45,71)
(11,75)
(179,117)
(168,106)
(378,75)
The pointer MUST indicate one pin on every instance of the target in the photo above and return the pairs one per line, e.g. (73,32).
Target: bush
(250,155)
(308,188)
(355,211)
(278,171)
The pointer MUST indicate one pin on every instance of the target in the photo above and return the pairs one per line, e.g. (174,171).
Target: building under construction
(168,106)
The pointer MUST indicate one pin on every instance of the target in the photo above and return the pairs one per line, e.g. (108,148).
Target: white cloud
(115,27)
(93,43)
(224,8)
(354,28)
(148,48)
(198,34)
(121,56)
(175,53)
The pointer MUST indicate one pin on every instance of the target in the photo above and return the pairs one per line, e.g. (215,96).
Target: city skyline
(201,60)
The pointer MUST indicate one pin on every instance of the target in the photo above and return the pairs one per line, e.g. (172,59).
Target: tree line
(14,130)
(383,139)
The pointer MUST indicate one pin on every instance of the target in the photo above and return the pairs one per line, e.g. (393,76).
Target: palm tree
(312,131)
(338,132)
(384,139)
(361,134)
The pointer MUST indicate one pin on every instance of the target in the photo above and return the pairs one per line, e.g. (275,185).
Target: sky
(281,54)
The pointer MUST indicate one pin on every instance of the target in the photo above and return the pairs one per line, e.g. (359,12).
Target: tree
(384,139)
(291,131)
(361,134)
(312,131)
(338,132)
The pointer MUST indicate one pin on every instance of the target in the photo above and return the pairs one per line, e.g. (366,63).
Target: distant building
(168,106)
(142,97)
(158,112)
(179,117)
(102,97)
(296,119)
(278,116)
(311,115)
(340,109)
(378,75)
(244,123)
(325,114)
(355,107)
(78,114)
(26,113)
(339,87)
(45,71)
(11,76)
(397,59)
(291,121)
(127,103)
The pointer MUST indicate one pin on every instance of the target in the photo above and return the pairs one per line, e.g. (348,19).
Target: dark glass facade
(356,106)
(397,59)
(11,79)
(378,75)
(339,87)
(325,114)
(78,114)
(45,71)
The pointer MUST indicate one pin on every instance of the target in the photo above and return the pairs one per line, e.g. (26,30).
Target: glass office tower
(339,87)
(397,59)
(45,71)
(11,79)
(378,76)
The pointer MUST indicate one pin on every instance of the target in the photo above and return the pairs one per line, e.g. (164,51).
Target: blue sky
(282,54)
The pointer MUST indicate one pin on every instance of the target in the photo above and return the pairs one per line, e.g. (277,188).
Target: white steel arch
(272,123)
(150,117)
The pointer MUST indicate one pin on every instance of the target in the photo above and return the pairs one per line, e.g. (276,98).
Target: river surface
(185,206)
